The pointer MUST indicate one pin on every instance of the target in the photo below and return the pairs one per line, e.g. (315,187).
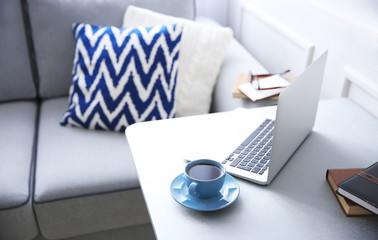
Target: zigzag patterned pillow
(122,76)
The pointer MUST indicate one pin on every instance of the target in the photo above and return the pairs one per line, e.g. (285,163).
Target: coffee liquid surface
(204,172)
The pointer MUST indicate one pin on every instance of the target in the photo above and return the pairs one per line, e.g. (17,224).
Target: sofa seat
(80,170)
(18,121)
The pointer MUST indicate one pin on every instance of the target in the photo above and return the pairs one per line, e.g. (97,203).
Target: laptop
(260,156)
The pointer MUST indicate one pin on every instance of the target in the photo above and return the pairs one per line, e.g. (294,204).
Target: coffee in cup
(204,177)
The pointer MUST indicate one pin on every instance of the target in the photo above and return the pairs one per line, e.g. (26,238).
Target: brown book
(241,79)
(336,176)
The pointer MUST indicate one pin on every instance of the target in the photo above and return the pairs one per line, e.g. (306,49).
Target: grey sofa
(60,182)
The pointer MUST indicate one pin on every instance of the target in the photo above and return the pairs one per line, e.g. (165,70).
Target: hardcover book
(362,188)
(336,176)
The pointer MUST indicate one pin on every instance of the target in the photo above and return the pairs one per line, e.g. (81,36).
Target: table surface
(298,204)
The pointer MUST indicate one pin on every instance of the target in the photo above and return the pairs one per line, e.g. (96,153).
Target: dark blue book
(362,188)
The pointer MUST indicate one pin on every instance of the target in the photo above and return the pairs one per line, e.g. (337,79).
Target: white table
(298,204)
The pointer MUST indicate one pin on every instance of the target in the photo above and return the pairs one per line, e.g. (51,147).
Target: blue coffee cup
(204,177)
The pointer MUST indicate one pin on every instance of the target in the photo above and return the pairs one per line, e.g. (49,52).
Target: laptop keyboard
(253,154)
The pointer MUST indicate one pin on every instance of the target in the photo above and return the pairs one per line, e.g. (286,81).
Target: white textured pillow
(202,52)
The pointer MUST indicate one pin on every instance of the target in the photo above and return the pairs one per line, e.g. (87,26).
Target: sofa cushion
(18,121)
(140,232)
(51,23)
(78,216)
(202,52)
(17,131)
(123,75)
(74,162)
(82,178)
(16,80)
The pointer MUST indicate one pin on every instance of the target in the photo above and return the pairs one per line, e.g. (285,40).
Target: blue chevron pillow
(122,76)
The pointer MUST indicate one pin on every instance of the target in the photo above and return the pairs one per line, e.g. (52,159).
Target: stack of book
(266,86)
(356,189)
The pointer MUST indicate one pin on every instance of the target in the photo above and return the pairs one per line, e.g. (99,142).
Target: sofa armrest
(237,60)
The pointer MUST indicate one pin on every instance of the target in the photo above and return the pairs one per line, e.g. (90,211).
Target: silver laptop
(262,155)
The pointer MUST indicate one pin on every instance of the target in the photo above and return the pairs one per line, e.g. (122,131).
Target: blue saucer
(226,196)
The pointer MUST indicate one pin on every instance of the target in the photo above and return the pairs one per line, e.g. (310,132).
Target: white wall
(216,9)
(348,29)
